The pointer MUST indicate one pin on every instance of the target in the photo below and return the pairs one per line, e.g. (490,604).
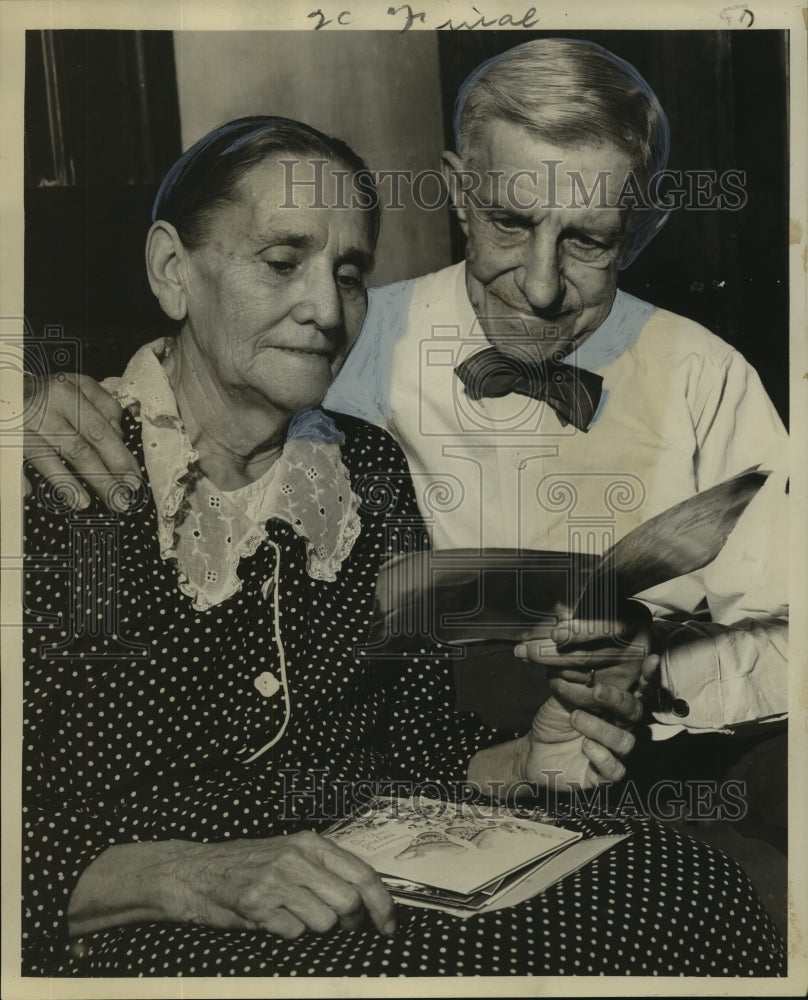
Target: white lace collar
(207,530)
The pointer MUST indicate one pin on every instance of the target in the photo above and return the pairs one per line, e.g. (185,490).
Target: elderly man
(542,408)
(555,139)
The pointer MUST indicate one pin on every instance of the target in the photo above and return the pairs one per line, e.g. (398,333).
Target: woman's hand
(565,746)
(283,885)
(70,419)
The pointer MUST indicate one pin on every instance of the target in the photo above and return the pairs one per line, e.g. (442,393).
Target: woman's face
(275,297)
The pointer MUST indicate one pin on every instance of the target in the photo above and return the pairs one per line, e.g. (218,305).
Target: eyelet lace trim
(207,530)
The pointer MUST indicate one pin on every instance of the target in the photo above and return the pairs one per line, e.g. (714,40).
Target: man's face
(276,295)
(541,266)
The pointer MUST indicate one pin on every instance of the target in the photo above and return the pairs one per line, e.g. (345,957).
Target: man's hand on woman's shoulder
(73,428)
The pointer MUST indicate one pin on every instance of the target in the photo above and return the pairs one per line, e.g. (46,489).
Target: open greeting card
(463,596)
(461,858)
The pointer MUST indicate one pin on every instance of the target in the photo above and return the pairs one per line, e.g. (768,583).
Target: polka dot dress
(147,720)
(691,916)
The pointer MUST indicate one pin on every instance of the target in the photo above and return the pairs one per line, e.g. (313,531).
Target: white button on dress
(267,684)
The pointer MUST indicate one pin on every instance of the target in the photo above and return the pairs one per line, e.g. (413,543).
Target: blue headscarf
(208,149)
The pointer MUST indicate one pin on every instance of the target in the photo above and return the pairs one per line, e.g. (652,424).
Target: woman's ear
(453,173)
(164,259)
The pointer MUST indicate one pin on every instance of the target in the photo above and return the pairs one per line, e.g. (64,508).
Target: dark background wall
(101,128)
(104,120)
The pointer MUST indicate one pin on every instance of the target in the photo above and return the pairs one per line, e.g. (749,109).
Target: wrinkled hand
(566,745)
(284,885)
(71,421)
(580,652)
(597,699)
(585,748)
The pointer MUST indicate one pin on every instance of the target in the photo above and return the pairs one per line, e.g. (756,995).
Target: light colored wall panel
(379,91)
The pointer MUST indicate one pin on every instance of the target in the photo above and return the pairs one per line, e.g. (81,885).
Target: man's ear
(453,170)
(164,263)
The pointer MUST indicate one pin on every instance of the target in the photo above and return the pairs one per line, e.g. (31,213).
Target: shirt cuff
(716,677)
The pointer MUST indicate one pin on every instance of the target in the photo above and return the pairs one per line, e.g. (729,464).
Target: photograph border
(17,16)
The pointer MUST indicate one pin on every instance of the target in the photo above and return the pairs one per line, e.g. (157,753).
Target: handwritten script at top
(406,17)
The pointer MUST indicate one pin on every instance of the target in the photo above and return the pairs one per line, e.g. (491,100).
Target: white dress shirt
(681,411)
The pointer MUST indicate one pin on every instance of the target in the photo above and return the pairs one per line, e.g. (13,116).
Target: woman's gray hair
(571,92)
(205,177)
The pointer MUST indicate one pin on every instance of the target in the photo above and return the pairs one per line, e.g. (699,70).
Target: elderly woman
(197,702)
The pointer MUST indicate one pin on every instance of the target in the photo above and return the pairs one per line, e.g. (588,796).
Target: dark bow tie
(573,392)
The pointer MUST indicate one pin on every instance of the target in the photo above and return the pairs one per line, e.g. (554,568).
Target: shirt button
(681,707)
(267,684)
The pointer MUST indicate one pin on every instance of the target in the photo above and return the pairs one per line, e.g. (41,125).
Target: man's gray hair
(570,92)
